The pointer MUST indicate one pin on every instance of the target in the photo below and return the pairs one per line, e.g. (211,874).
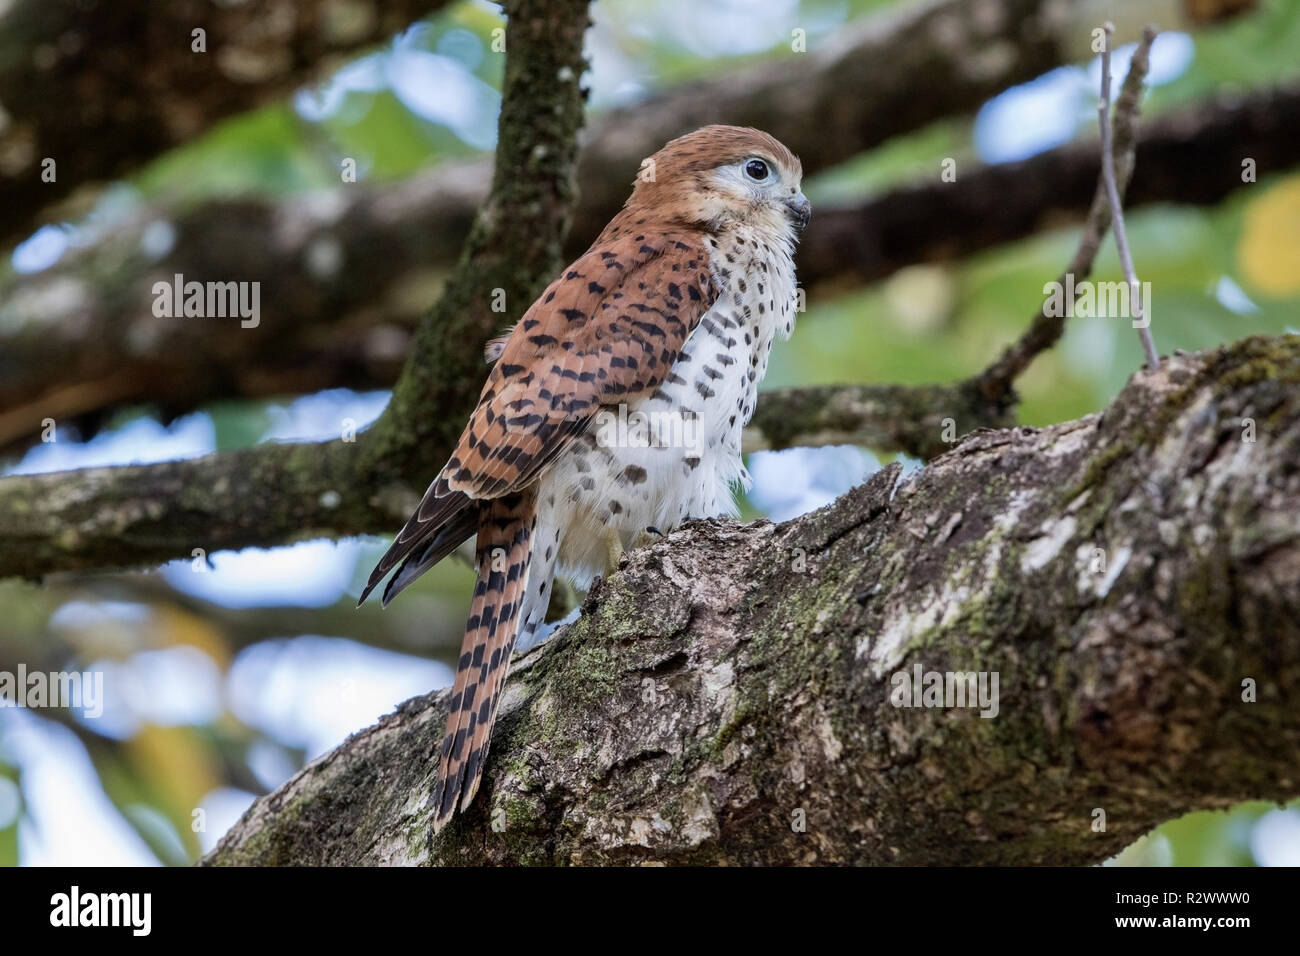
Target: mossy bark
(1133,578)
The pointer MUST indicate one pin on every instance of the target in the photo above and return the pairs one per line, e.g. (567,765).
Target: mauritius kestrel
(666,321)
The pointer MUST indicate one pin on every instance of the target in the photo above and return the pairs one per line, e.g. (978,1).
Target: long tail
(504,550)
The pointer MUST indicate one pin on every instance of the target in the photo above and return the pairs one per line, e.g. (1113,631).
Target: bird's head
(723,174)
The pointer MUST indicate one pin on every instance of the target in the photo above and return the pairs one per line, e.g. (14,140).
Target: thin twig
(1117,206)
(993,385)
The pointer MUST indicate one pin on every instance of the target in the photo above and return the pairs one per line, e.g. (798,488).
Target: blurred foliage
(939,323)
(1241,54)
(11,810)
(275,150)
(1219,274)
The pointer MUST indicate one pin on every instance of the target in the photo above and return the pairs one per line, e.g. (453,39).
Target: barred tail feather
(447,539)
(504,550)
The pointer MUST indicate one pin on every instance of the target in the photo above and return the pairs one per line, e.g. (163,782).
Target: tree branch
(913,419)
(80,339)
(1190,156)
(124,517)
(1113,197)
(121,517)
(995,382)
(274,494)
(886,75)
(103,88)
(726,697)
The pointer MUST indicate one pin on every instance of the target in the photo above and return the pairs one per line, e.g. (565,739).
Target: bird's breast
(675,454)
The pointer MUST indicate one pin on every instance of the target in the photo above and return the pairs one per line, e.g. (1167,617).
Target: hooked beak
(800,210)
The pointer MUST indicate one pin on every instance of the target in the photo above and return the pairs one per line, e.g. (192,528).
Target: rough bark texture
(735,680)
(104,86)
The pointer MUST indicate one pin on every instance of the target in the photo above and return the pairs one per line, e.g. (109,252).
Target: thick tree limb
(80,339)
(102,87)
(906,418)
(275,494)
(726,697)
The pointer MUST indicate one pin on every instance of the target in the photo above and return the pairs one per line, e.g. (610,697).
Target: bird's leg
(613,551)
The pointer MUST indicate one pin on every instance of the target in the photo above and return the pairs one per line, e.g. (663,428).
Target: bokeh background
(223,677)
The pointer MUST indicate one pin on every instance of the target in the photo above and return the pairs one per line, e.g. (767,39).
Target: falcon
(613,409)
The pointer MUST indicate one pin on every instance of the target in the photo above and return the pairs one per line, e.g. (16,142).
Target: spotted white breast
(674,455)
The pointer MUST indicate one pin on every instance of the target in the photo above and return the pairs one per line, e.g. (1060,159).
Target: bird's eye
(756,169)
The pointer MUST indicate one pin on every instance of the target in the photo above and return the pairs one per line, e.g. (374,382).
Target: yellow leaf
(1268,255)
(179,767)
(173,627)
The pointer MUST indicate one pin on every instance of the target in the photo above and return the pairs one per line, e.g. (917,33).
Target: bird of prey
(614,407)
